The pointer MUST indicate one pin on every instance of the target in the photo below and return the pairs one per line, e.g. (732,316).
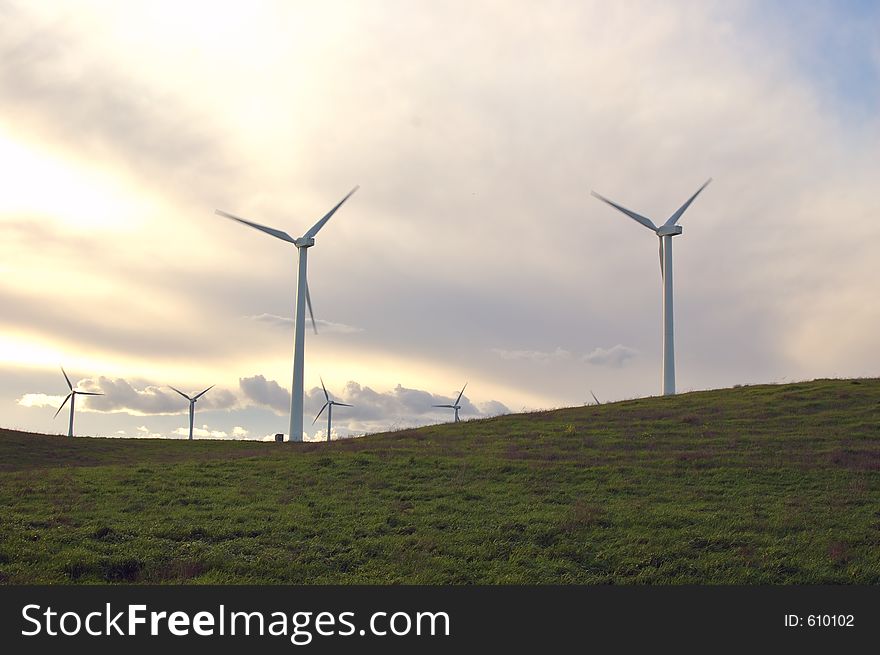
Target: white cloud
(615,357)
(324,327)
(40,400)
(533,355)
(203,432)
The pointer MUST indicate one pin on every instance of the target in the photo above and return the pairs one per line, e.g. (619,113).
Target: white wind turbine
(72,397)
(665,232)
(192,405)
(455,405)
(329,407)
(302,244)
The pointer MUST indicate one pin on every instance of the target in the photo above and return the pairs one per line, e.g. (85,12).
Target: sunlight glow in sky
(473,251)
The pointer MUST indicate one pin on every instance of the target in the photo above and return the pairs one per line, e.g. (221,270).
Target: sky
(473,251)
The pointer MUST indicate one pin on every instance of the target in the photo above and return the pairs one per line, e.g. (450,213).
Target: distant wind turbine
(72,397)
(192,405)
(299,317)
(329,407)
(665,232)
(455,405)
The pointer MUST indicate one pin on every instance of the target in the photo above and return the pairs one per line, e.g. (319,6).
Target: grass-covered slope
(754,485)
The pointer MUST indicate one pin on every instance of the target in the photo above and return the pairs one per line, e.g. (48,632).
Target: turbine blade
(309,304)
(198,395)
(594,397)
(63,404)
(326,395)
(461,392)
(449,406)
(674,218)
(180,392)
(69,386)
(341,404)
(647,222)
(319,413)
(284,236)
(317,226)
(88,393)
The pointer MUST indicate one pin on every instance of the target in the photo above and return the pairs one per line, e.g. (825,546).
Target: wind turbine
(329,407)
(455,405)
(299,317)
(665,232)
(192,405)
(72,397)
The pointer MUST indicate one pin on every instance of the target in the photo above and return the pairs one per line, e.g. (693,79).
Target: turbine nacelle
(668,230)
(304,242)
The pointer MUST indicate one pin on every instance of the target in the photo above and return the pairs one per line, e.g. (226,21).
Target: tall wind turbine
(72,397)
(299,317)
(329,407)
(192,405)
(665,232)
(455,405)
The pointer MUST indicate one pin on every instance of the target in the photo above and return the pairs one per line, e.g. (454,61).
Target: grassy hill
(759,484)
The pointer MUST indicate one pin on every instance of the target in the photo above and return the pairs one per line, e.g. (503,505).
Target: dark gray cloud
(112,329)
(399,406)
(493,408)
(266,393)
(122,396)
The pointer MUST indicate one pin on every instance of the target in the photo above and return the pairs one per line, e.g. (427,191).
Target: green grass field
(753,485)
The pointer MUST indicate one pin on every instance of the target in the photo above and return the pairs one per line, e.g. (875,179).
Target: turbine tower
(329,407)
(455,405)
(192,405)
(299,317)
(72,397)
(665,232)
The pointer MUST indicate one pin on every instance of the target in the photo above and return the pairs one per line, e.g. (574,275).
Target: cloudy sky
(473,251)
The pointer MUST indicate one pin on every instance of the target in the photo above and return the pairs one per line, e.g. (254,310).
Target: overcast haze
(473,251)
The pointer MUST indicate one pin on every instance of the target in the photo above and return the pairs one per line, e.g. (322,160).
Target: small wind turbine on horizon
(299,317)
(665,232)
(329,407)
(72,397)
(455,405)
(192,405)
